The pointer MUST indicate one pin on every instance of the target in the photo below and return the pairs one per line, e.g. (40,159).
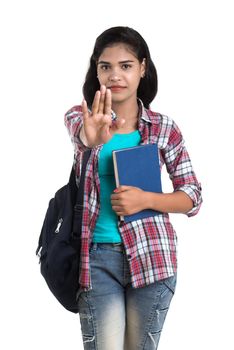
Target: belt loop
(94,246)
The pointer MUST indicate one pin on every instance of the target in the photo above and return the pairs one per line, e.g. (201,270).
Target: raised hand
(98,127)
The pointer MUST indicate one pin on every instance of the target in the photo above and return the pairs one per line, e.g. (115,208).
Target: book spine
(116,177)
(116,170)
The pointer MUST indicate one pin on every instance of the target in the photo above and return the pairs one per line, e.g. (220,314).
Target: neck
(127,110)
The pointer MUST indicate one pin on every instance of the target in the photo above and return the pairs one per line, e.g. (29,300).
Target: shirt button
(129,256)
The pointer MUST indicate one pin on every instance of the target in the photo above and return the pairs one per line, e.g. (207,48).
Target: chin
(119,97)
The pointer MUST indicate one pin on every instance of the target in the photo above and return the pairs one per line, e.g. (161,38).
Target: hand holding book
(128,200)
(137,171)
(175,202)
(138,177)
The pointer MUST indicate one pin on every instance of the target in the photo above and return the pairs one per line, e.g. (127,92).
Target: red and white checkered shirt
(150,244)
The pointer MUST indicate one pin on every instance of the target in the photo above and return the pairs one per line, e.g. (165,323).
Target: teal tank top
(106,229)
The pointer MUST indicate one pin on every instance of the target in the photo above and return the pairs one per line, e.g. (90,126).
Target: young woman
(128,270)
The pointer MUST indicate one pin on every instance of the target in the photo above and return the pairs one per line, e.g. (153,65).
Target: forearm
(176,202)
(82,137)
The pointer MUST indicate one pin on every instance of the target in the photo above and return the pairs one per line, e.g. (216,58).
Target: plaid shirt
(150,244)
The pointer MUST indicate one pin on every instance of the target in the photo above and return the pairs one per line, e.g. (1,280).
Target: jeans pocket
(170,283)
(93,250)
(167,293)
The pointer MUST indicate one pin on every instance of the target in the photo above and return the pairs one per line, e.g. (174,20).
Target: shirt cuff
(77,140)
(194,192)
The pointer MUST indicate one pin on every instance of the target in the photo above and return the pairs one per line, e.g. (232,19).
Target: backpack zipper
(59,225)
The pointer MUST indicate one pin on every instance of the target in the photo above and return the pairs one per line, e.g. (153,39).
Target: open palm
(98,125)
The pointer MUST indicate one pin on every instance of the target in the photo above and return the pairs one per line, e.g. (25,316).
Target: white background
(45,48)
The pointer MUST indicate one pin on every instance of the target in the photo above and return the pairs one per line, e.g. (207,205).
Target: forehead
(117,52)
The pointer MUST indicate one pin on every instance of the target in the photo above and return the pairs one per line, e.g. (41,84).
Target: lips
(116,88)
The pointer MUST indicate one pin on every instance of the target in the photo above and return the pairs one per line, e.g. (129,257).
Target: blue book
(139,167)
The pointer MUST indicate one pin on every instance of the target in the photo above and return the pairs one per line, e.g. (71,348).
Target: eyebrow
(121,62)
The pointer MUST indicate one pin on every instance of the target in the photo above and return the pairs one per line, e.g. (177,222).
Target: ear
(143,67)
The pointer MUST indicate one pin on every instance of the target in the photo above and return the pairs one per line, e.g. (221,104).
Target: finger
(117,124)
(102,99)
(95,104)
(115,195)
(119,211)
(116,207)
(85,109)
(115,202)
(107,107)
(122,188)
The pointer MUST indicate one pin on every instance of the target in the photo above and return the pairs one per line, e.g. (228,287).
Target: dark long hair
(148,85)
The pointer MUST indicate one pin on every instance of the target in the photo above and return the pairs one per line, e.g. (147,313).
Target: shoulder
(163,128)
(162,122)
(74,112)
(159,119)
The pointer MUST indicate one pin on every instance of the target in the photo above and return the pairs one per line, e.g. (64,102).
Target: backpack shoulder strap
(80,191)
(78,209)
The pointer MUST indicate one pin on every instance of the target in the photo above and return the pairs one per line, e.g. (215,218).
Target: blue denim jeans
(115,316)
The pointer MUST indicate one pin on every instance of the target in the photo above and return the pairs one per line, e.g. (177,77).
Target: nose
(114,76)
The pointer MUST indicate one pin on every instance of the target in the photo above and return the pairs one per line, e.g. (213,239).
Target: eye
(104,66)
(126,66)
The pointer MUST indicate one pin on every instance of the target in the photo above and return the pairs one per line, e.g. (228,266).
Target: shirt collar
(143,112)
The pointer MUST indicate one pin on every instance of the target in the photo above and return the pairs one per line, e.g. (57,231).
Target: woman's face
(119,70)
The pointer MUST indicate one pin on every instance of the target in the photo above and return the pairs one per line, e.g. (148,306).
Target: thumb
(117,124)
(85,109)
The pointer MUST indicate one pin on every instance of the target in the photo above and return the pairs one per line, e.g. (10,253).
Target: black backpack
(60,240)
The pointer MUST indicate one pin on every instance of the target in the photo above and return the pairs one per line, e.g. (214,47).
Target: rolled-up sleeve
(180,169)
(73,120)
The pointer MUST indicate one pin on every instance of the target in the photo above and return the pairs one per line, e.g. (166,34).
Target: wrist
(83,138)
(151,200)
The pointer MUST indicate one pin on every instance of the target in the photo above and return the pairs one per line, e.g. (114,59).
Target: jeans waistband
(112,246)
